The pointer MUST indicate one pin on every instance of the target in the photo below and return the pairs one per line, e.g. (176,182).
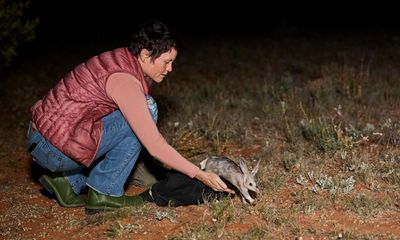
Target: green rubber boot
(58,184)
(97,202)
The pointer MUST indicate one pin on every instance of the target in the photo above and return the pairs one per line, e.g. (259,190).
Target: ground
(307,192)
(28,212)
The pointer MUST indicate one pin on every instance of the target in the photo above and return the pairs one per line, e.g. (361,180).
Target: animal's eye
(251,184)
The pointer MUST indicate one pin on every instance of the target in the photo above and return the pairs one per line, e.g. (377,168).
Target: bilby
(238,175)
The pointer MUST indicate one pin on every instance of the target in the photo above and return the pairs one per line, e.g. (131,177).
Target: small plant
(273,183)
(361,169)
(366,206)
(335,185)
(348,80)
(290,160)
(115,231)
(198,232)
(222,211)
(272,215)
(307,202)
(389,133)
(167,214)
(390,155)
(289,133)
(256,233)
(391,175)
(322,133)
(118,229)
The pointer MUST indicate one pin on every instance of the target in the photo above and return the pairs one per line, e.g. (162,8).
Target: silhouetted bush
(14,28)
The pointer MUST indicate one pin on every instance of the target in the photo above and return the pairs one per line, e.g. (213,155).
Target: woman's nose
(169,67)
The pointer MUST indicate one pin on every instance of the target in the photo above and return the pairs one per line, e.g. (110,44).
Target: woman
(97,118)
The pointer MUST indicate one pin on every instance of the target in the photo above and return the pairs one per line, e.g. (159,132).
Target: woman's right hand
(213,181)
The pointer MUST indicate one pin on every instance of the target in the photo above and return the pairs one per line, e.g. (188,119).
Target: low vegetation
(319,111)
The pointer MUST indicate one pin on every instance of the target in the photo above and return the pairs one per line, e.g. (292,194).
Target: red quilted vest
(69,116)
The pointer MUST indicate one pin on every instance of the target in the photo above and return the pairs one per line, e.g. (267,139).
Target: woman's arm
(127,93)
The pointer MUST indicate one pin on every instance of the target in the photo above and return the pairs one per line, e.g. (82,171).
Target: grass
(367,206)
(201,232)
(320,114)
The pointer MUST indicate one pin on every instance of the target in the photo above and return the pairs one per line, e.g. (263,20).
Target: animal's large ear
(203,164)
(255,169)
(243,167)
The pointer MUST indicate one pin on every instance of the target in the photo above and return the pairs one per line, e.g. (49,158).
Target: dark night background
(83,29)
(78,21)
(308,87)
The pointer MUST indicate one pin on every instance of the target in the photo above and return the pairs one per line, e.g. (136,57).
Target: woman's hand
(213,181)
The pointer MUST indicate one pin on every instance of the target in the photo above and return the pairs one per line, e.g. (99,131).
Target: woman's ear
(144,55)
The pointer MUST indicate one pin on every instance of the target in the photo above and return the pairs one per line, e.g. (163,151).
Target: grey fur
(238,175)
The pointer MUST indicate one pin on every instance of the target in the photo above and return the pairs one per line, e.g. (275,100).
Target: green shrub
(14,28)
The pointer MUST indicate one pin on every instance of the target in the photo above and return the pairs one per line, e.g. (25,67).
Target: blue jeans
(116,156)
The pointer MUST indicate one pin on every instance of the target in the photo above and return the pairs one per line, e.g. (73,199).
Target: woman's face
(160,67)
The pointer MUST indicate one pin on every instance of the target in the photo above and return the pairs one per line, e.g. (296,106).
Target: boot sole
(93,211)
(46,183)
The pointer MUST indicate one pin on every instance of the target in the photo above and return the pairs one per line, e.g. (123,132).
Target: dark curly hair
(154,36)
